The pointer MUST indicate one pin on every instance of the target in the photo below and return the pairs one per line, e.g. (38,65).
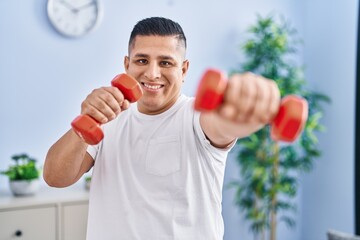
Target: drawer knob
(18,233)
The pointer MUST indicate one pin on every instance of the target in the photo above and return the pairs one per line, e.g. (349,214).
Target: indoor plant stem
(273,221)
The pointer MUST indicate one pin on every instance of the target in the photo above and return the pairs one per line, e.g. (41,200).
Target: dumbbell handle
(88,128)
(286,126)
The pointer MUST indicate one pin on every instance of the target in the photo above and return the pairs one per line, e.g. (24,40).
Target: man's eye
(142,61)
(165,63)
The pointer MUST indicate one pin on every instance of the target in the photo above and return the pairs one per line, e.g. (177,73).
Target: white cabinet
(51,214)
(74,219)
(28,223)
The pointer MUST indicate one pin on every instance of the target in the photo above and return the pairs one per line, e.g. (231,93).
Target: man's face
(158,64)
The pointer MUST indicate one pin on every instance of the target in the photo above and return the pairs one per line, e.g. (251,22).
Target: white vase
(24,187)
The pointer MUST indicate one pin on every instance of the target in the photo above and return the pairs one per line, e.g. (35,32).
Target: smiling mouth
(152,86)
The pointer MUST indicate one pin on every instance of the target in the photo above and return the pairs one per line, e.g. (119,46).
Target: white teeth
(152,86)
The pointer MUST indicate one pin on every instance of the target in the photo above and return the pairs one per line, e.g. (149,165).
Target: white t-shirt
(156,177)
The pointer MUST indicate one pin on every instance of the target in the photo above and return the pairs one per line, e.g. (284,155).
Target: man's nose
(152,71)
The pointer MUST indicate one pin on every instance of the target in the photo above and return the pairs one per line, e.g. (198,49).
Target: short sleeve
(93,150)
(218,153)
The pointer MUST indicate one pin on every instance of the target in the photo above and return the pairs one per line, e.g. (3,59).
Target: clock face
(74,18)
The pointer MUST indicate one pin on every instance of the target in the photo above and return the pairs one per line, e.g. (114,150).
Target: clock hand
(68,6)
(85,6)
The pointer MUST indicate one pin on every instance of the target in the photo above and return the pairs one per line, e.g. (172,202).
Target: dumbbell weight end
(290,119)
(88,129)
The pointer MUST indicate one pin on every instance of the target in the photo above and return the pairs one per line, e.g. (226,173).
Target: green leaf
(290,222)
(24,169)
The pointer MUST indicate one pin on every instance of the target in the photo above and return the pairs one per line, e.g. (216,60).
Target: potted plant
(87,180)
(23,175)
(269,171)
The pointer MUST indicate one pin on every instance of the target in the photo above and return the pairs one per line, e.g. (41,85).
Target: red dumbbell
(88,128)
(286,126)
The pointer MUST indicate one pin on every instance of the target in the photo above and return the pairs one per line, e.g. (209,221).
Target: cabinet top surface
(45,196)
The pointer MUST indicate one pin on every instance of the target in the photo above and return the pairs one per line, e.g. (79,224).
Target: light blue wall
(44,77)
(330,56)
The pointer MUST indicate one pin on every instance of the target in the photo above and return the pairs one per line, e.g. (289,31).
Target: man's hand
(250,98)
(249,102)
(104,104)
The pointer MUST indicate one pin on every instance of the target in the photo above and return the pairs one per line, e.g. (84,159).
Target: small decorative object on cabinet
(87,182)
(23,175)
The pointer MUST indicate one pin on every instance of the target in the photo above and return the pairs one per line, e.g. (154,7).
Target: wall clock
(74,18)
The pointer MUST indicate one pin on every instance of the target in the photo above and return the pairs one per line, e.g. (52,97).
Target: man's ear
(126,63)
(185,67)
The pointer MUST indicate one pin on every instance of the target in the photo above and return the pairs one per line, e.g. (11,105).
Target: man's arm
(67,160)
(250,102)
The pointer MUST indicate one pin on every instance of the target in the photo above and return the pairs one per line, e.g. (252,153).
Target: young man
(158,172)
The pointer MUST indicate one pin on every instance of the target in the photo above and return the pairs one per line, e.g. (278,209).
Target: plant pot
(24,187)
(87,184)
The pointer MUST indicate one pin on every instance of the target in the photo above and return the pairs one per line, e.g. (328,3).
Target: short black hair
(157,26)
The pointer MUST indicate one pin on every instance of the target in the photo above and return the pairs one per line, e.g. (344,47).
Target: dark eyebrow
(141,55)
(162,57)
(166,57)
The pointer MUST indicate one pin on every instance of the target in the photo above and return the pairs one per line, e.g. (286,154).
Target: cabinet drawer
(28,223)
